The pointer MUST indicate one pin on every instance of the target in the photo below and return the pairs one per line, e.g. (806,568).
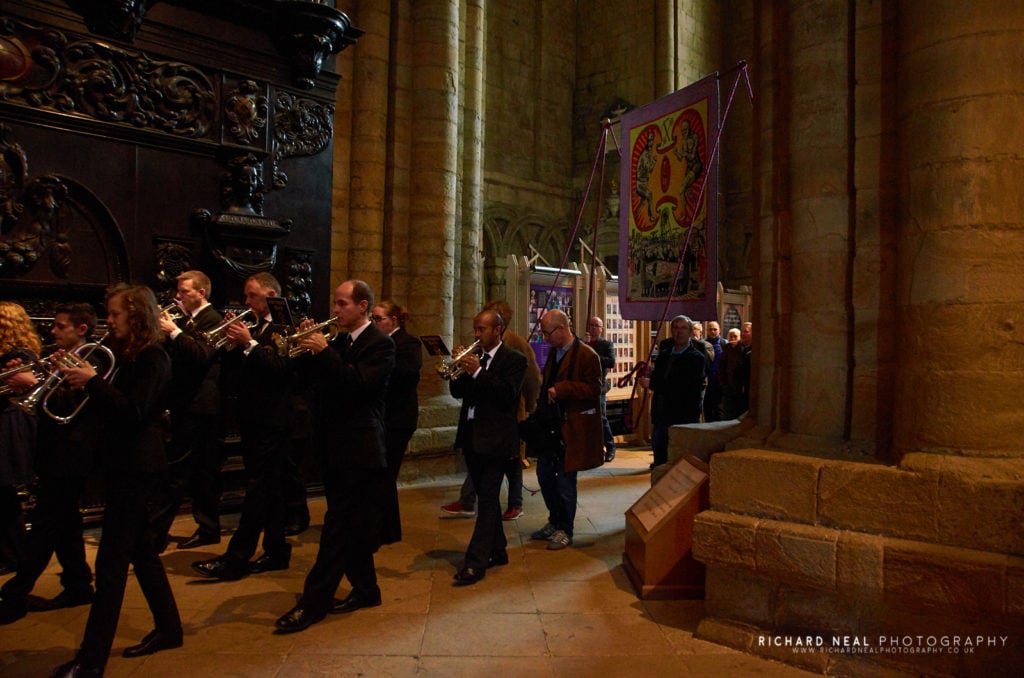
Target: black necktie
(260,327)
(484,359)
(345,342)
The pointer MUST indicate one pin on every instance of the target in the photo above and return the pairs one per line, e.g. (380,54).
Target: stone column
(369,148)
(471,243)
(664,48)
(960,281)
(433,187)
(801,329)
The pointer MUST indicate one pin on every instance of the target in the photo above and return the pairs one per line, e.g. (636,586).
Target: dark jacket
(260,380)
(494,394)
(193,386)
(578,384)
(130,406)
(403,409)
(677,382)
(351,386)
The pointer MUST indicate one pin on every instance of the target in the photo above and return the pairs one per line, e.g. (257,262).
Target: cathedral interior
(874,489)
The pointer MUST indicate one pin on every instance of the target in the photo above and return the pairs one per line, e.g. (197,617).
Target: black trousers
(350,536)
(130,537)
(56,528)
(196,459)
(263,509)
(396,440)
(488,538)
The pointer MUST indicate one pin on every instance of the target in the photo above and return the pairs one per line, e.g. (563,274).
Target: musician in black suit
(261,378)
(194,451)
(349,376)
(488,436)
(402,410)
(64,457)
(132,457)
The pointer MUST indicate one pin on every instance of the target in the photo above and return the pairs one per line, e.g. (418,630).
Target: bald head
(555,328)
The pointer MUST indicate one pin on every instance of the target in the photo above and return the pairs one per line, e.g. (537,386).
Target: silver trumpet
(450,368)
(289,345)
(174,310)
(41,394)
(217,337)
(38,367)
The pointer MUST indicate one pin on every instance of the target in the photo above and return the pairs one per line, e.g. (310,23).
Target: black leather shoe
(197,540)
(609,455)
(298,619)
(76,669)
(498,560)
(353,602)
(68,598)
(297,527)
(224,568)
(267,562)
(154,642)
(468,575)
(12,610)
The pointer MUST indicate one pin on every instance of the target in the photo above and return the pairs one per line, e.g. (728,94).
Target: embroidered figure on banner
(668,145)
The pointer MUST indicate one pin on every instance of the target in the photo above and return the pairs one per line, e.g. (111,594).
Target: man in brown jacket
(572,380)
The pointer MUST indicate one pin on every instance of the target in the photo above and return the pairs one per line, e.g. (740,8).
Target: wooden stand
(659,536)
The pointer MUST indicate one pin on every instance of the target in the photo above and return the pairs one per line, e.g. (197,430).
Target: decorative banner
(666,160)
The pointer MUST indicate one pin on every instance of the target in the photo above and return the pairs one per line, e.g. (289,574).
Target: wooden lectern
(659,536)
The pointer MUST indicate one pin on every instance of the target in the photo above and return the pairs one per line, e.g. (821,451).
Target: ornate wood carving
(40,68)
(240,237)
(298,281)
(173,257)
(51,216)
(245,111)
(307,32)
(302,127)
(119,19)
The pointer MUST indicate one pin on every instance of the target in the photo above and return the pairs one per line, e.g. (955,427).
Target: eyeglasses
(548,334)
(377,318)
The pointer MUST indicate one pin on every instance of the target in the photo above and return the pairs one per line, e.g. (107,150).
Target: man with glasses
(572,383)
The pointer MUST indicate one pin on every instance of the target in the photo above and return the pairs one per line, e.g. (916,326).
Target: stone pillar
(472,144)
(819,218)
(960,285)
(369,148)
(399,249)
(664,48)
(433,194)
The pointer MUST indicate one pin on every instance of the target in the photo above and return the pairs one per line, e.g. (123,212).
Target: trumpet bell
(451,368)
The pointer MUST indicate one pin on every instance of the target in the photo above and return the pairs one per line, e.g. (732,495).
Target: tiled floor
(566,613)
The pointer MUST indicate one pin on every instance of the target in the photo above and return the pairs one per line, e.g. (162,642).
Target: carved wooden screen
(142,138)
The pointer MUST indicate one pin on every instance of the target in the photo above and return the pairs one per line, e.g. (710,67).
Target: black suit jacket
(261,381)
(494,395)
(350,387)
(193,387)
(677,382)
(131,407)
(402,405)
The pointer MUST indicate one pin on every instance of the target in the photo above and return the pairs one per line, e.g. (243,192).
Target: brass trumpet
(450,368)
(217,337)
(54,380)
(288,345)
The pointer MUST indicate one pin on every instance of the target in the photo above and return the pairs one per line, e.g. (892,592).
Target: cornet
(450,367)
(174,310)
(54,379)
(289,345)
(217,337)
(38,367)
